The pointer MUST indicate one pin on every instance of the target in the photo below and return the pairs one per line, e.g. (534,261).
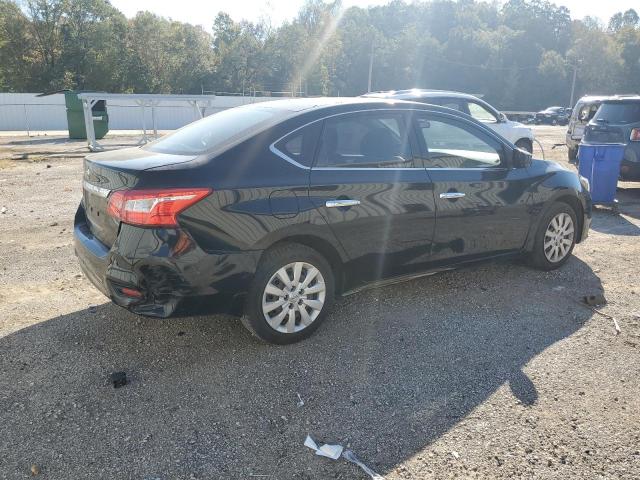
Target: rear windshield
(619,112)
(216,131)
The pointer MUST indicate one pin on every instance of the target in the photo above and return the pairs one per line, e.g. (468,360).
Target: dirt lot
(495,371)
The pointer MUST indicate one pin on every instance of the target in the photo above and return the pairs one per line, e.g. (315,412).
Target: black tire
(525,144)
(273,260)
(537,257)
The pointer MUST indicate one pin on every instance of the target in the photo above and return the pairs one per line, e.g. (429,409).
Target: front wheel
(290,295)
(555,238)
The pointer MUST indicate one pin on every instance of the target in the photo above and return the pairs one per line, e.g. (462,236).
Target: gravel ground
(494,371)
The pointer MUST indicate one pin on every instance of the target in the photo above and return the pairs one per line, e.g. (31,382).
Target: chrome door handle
(342,203)
(451,195)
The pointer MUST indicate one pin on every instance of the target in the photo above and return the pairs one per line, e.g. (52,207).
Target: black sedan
(553,116)
(275,208)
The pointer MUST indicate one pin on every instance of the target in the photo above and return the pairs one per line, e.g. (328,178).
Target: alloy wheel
(293,297)
(559,237)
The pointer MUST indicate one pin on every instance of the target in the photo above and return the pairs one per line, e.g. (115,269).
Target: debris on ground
(300,401)
(93,309)
(595,300)
(3,210)
(119,379)
(351,457)
(330,451)
(336,451)
(35,470)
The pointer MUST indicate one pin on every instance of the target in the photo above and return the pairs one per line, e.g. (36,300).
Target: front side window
(368,140)
(451,146)
(481,114)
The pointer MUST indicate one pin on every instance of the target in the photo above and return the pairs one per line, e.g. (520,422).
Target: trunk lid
(116,170)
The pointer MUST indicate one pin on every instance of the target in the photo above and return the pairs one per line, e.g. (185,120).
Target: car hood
(524,131)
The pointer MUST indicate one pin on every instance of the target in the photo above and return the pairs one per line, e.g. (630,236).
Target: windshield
(619,112)
(215,131)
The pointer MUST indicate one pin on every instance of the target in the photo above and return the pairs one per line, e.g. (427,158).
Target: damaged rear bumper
(165,268)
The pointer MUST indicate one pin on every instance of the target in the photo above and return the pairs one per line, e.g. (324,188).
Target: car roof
(290,108)
(420,93)
(622,99)
(603,98)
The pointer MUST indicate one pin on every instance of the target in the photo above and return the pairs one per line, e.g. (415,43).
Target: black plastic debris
(595,300)
(93,309)
(119,379)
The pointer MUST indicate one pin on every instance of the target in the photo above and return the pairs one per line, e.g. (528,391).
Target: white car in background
(517,133)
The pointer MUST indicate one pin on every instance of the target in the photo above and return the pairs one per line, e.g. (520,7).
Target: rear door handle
(342,203)
(451,195)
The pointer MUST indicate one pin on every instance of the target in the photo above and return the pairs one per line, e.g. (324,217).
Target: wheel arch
(576,206)
(564,196)
(323,247)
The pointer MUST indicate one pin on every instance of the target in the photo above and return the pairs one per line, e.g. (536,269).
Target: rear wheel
(525,144)
(555,238)
(291,293)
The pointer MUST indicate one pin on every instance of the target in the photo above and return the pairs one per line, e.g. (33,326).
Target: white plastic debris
(336,451)
(330,451)
(351,457)
(300,401)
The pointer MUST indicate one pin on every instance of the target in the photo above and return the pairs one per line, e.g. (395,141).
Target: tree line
(519,55)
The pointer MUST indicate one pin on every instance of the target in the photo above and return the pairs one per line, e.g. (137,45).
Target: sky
(199,12)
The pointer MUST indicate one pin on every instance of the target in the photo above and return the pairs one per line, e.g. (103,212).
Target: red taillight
(153,208)
(131,292)
(635,135)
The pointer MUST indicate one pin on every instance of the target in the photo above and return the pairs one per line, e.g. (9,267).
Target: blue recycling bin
(600,164)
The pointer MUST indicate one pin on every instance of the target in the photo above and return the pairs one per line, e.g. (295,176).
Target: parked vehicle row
(552,116)
(617,121)
(280,206)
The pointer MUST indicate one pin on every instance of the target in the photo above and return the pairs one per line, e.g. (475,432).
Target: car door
(481,202)
(378,202)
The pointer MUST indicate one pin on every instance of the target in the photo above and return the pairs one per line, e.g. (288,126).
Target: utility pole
(573,83)
(370,68)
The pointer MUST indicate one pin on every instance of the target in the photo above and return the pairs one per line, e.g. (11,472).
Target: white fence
(27,112)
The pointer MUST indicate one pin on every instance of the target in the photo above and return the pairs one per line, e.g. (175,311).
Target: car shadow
(606,221)
(391,371)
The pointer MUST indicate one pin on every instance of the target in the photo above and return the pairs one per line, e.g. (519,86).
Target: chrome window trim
(290,160)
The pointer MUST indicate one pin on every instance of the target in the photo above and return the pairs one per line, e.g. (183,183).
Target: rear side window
(451,146)
(369,140)
(300,146)
(215,131)
(619,112)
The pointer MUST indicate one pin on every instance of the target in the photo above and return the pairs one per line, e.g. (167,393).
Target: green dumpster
(75,116)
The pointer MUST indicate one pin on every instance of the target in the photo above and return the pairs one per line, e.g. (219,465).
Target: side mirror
(521,158)
(503,118)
